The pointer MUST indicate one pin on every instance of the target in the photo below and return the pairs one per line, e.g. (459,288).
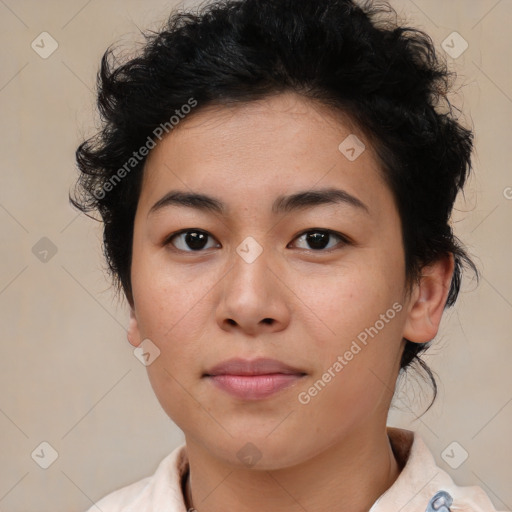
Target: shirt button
(440,502)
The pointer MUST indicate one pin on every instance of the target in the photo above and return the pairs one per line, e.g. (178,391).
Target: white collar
(416,489)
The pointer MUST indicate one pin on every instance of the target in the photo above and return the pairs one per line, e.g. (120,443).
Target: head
(251,102)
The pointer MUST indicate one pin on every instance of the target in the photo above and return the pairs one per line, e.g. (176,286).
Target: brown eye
(320,239)
(191,240)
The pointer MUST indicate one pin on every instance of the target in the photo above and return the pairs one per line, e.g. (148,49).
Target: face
(315,282)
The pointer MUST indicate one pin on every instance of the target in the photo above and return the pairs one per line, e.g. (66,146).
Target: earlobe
(133,333)
(428,300)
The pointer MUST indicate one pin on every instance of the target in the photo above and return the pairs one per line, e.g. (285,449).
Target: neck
(347,477)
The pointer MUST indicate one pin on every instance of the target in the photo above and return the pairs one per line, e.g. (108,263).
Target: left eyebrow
(311,198)
(283,204)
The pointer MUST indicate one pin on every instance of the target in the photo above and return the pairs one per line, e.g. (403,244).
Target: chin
(260,452)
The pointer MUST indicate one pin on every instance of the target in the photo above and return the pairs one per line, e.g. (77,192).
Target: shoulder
(422,485)
(121,499)
(160,491)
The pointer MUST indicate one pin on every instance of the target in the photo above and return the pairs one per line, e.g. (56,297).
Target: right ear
(133,332)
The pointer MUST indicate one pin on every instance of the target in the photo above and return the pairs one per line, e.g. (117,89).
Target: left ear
(133,333)
(428,300)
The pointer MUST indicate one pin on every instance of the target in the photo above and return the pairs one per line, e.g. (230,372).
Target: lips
(261,366)
(253,380)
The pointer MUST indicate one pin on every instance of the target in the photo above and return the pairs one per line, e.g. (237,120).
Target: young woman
(276,179)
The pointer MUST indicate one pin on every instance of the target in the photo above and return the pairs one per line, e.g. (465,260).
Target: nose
(254,297)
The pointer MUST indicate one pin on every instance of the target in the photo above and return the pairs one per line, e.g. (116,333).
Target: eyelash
(344,239)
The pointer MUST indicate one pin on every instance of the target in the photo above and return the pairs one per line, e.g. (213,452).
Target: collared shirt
(422,486)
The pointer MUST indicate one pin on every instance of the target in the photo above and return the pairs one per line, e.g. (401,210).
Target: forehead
(253,152)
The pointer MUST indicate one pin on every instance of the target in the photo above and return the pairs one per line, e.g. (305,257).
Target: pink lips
(253,380)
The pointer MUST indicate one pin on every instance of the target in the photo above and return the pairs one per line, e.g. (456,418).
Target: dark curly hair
(388,79)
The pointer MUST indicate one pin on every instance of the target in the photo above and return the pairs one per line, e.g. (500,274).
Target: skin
(201,308)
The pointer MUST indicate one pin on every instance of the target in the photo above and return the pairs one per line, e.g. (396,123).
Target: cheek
(361,321)
(348,301)
(167,299)
(168,314)
(168,311)
(358,367)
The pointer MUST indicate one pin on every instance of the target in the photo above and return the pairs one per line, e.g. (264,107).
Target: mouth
(253,380)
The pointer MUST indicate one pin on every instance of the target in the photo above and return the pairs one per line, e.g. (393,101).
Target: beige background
(68,374)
